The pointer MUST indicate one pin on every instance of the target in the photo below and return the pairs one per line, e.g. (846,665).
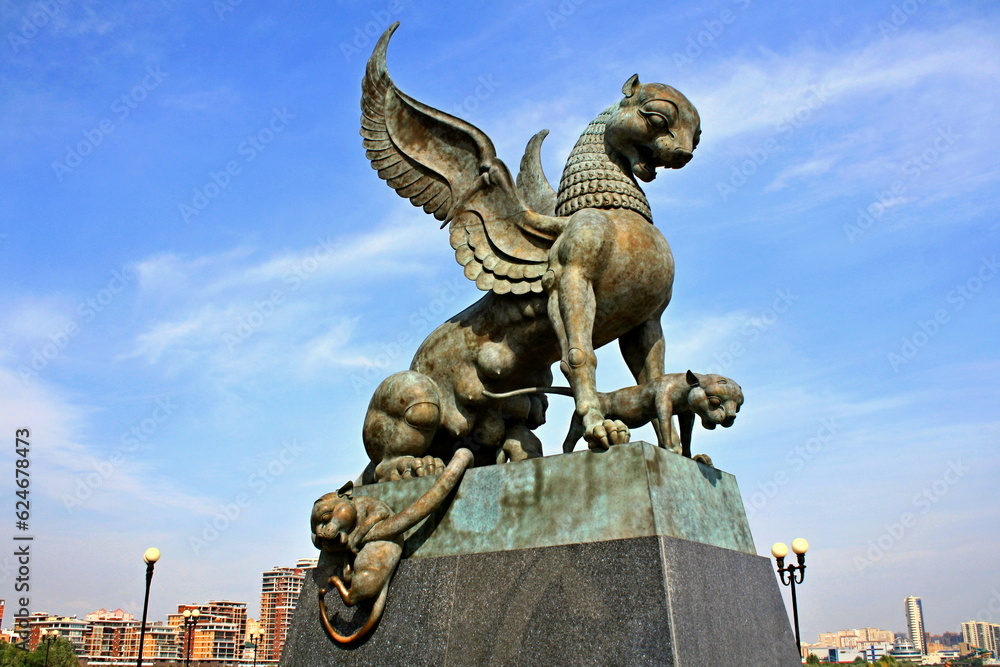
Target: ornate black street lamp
(190,620)
(150,557)
(791,575)
(254,641)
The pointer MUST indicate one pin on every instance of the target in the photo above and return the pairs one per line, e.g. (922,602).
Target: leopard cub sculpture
(714,398)
(366,536)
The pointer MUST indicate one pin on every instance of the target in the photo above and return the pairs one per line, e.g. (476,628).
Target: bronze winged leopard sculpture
(565,272)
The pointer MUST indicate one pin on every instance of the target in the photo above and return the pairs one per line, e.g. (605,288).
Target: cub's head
(333,518)
(654,126)
(716,399)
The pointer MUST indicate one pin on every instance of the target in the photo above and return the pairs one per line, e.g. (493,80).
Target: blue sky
(202,280)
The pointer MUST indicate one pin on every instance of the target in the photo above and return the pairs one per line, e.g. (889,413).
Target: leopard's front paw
(405,467)
(601,433)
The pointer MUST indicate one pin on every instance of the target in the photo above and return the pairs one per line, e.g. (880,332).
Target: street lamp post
(190,620)
(150,557)
(254,641)
(47,638)
(791,575)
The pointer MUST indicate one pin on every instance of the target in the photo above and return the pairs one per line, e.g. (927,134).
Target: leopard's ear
(346,489)
(692,379)
(632,85)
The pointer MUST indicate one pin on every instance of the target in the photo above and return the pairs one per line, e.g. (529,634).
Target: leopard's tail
(563,391)
(373,618)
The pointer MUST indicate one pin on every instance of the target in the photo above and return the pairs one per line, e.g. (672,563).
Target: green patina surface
(633,490)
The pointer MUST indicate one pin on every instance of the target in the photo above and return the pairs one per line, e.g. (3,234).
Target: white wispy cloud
(808,169)
(749,94)
(240,312)
(75,470)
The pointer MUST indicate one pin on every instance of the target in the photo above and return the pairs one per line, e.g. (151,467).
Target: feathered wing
(531,182)
(450,168)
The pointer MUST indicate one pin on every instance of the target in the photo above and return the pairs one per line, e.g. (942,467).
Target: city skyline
(280,584)
(866,634)
(202,280)
(215,630)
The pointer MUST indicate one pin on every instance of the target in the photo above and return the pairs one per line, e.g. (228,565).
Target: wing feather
(383,163)
(401,177)
(415,189)
(450,168)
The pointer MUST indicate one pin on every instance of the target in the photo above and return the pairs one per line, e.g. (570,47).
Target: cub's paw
(345,592)
(704,458)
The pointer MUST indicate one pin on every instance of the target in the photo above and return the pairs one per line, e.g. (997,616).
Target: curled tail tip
(373,618)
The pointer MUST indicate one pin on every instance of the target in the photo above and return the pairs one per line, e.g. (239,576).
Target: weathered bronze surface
(566,272)
(631,490)
(367,537)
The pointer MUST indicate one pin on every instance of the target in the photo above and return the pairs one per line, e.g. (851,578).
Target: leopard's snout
(678,158)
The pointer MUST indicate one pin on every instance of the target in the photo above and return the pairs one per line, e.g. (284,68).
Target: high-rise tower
(278,595)
(915,623)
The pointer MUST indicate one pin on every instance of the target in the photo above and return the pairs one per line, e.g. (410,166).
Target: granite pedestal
(635,556)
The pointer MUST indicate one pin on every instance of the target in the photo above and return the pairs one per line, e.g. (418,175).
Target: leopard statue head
(653,126)
(334,517)
(714,398)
